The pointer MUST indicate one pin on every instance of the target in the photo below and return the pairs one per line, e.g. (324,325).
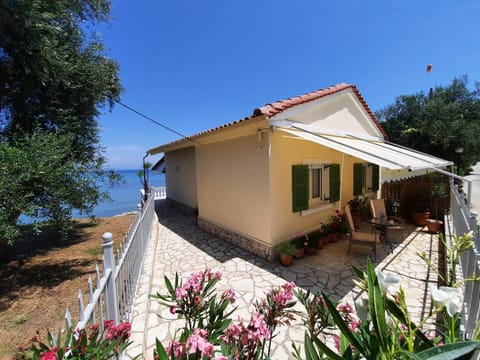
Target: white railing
(159,193)
(112,297)
(463,222)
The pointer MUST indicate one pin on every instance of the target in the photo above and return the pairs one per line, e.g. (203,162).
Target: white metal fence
(463,222)
(113,294)
(159,192)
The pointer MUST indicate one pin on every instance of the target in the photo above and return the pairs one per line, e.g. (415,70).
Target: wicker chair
(360,237)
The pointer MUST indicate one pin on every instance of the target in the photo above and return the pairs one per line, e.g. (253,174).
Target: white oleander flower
(448,297)
(362,307)
(385,280)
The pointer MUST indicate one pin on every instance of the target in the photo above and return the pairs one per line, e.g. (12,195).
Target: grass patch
(95,251)
(20,319)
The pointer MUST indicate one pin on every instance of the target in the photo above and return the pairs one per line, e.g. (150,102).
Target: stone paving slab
(178,245)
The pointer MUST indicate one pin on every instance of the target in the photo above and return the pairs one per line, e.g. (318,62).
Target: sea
(126,196)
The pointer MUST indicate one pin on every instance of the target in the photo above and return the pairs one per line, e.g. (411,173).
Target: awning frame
(342,141)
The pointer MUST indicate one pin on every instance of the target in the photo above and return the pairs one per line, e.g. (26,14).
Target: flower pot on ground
(315,239)
(419,218)
(337,226)
(434,226)
(300,253)
(333,237)
(310,250)
(286,260)
(286,251)
(300,242)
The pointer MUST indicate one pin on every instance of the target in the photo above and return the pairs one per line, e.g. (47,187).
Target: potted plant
(437,191)
(314,241)
(359,209)
(338,225)
(300,242)
(286,250)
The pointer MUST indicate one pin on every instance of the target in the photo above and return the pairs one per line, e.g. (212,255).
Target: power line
(154,121)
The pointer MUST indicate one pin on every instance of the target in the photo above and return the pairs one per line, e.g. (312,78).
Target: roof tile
(277,107)
(282,105)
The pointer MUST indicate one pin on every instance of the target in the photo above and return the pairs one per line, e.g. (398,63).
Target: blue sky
(194,65)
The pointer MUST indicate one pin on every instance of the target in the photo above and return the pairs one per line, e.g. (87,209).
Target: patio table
(383,224)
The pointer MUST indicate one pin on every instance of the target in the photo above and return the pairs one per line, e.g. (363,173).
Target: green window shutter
(375,177)
(357,179)
(334,182)
(299,187)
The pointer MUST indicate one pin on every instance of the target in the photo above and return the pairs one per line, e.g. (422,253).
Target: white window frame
(367,183)
(323,198)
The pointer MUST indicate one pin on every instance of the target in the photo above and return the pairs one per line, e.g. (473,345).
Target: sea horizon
(125,197)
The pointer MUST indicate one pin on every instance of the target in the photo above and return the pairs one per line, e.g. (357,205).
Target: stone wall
(243,241)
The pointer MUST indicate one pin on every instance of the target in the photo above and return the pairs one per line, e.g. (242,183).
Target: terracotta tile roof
(282,105)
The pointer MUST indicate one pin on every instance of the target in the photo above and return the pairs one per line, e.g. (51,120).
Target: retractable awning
(398,161)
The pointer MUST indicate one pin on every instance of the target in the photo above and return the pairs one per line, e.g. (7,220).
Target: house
(286,168)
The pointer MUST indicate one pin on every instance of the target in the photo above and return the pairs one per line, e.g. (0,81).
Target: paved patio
(177,245)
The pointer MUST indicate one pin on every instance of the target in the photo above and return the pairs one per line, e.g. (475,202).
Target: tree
(439,122)
(54,79)
(40,178)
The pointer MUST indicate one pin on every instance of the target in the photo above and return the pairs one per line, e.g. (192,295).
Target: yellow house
(287,168)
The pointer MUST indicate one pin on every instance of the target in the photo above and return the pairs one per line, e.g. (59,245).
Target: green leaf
(351,336)
(395,310)
(449,351)
(377,307)
(169,286)
(310,352)
(162,354)
(360,274)
(329,352)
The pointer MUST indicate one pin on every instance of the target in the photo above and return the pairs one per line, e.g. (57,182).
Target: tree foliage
(54,79)
(437,123)
(40,178)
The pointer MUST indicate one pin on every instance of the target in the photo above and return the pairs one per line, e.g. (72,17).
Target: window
(365,178)
(314,184)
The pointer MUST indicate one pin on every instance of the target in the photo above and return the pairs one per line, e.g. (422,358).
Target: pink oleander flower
(221,357)
(176,348)
(259,324)
(121,331)
(198,342)
(345,308)
(197,300)
(289,287)
(50,355)
(107,324)
(229,294)
(336,339)
(180,293)
(173,310)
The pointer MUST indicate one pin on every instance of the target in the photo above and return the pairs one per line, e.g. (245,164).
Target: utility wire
(154,121)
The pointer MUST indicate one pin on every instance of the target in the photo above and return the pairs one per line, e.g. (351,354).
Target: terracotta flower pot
(434,226)
(419,218)
(286,260)
(334,237)
(300,253)
(310,250)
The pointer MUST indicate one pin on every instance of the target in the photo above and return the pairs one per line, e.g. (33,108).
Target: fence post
(111,302)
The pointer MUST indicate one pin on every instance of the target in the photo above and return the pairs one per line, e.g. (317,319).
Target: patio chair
(360,237)
(379,211)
